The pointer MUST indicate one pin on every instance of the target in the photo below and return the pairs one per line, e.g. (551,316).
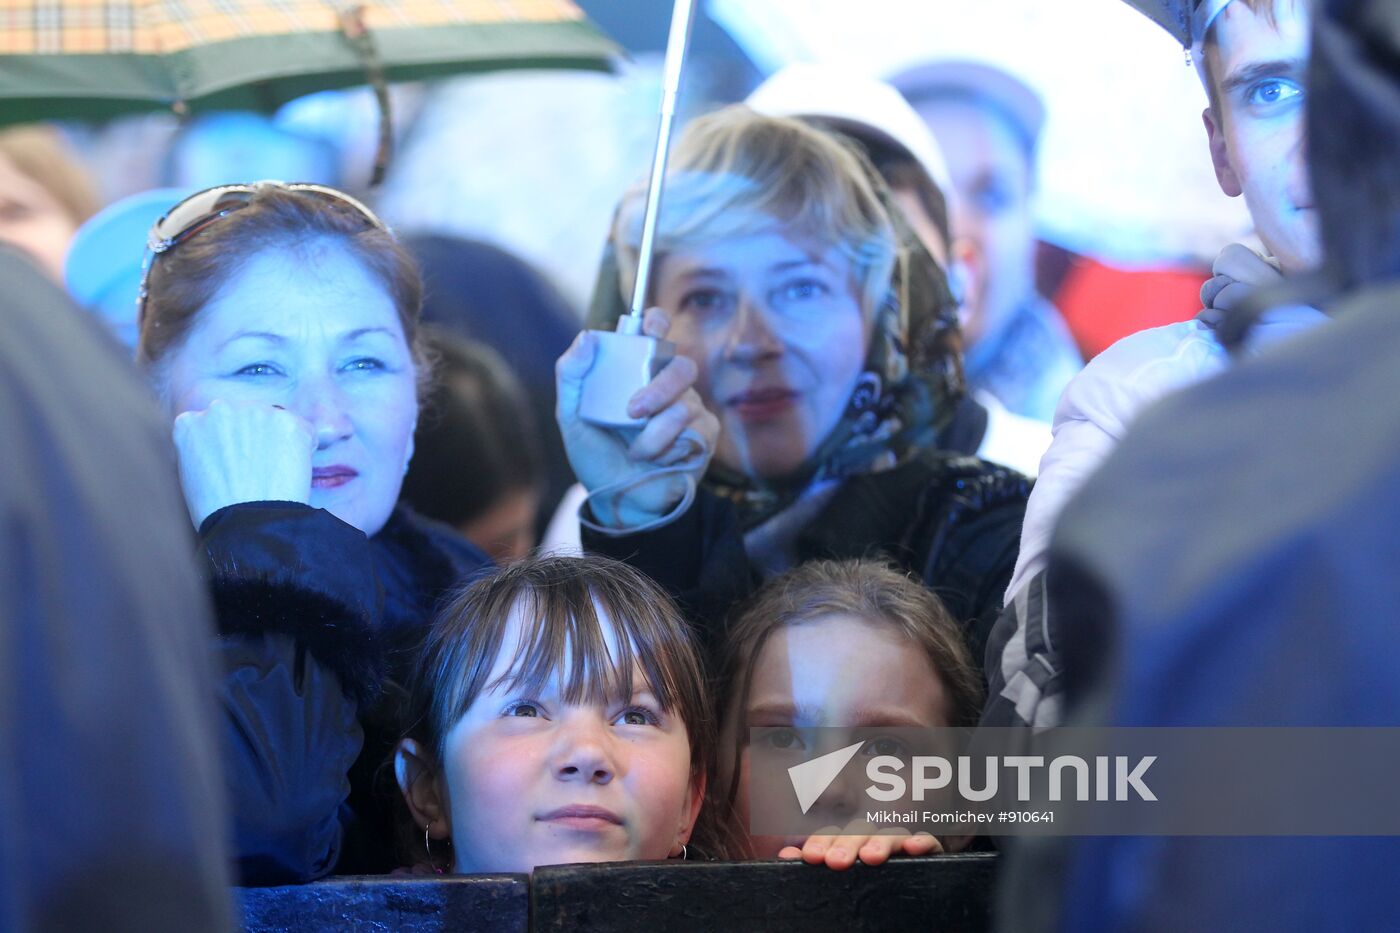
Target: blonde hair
(735,172)
(40,152)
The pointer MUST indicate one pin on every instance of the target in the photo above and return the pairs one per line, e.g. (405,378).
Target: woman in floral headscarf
(814,329)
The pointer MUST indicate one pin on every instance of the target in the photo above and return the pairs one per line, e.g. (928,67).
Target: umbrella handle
(352,25)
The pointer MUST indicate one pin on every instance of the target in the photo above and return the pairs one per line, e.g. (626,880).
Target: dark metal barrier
(393,905)
(951,894)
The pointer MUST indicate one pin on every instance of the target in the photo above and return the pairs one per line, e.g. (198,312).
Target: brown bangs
(572,604)
(570,637)
(1267,10)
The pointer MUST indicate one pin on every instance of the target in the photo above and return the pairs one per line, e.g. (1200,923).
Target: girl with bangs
(816,363)
(835,645)
(559,716)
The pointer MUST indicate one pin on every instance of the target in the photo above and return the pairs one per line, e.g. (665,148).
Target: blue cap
(103,267)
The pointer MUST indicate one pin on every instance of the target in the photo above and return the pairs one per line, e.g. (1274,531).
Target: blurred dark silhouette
(476,454)
(480,292)
(111,803)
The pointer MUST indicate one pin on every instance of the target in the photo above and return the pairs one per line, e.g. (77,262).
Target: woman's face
(835,671)
(533,780)
(321,338)
(776,330)
(34,220)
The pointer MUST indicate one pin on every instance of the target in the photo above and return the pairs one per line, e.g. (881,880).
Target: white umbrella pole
(682,13)
(626,359)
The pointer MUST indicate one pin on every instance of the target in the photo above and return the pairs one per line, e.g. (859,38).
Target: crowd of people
(827,514)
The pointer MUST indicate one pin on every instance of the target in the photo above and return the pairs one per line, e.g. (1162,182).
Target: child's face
(532,780)
(834,671)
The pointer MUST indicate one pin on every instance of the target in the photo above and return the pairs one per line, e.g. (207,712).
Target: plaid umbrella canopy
(88,59)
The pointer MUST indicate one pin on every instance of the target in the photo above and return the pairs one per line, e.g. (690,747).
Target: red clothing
(1102,304)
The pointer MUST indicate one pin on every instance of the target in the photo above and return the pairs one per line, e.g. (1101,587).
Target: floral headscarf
(906,393)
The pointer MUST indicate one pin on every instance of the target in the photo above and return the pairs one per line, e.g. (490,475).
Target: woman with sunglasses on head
(279,324)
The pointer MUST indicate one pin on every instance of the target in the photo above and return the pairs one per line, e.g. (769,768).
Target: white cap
(1015,100)
(855,102)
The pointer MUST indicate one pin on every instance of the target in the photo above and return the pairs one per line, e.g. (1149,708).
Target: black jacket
(953,521)
(318,625)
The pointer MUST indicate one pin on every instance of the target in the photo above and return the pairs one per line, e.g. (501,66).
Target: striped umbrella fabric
(97,58)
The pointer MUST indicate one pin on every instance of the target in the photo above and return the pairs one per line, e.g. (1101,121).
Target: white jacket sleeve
(1096,409)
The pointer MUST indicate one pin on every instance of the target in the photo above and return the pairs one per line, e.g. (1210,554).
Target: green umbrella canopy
(89,59)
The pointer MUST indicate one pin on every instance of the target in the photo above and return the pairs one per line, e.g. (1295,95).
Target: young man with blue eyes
(1251,55)
(1252,62)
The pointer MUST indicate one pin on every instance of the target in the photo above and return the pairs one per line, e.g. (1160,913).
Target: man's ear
(1220,155)
(418,782)
(691,812)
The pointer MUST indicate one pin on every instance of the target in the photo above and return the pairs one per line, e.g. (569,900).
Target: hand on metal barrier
(873,845)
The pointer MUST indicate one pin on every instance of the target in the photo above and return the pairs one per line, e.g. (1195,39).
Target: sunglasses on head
(205,208)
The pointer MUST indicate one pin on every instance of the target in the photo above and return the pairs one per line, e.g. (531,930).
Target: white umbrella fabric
(1124,175)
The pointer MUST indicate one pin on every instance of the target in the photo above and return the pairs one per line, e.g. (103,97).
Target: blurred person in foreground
(112,816)
(1265,596)
(988,123)
(1251,55)
(45,195)
(802,402)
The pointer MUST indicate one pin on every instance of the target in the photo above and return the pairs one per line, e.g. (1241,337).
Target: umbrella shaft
(681,15)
